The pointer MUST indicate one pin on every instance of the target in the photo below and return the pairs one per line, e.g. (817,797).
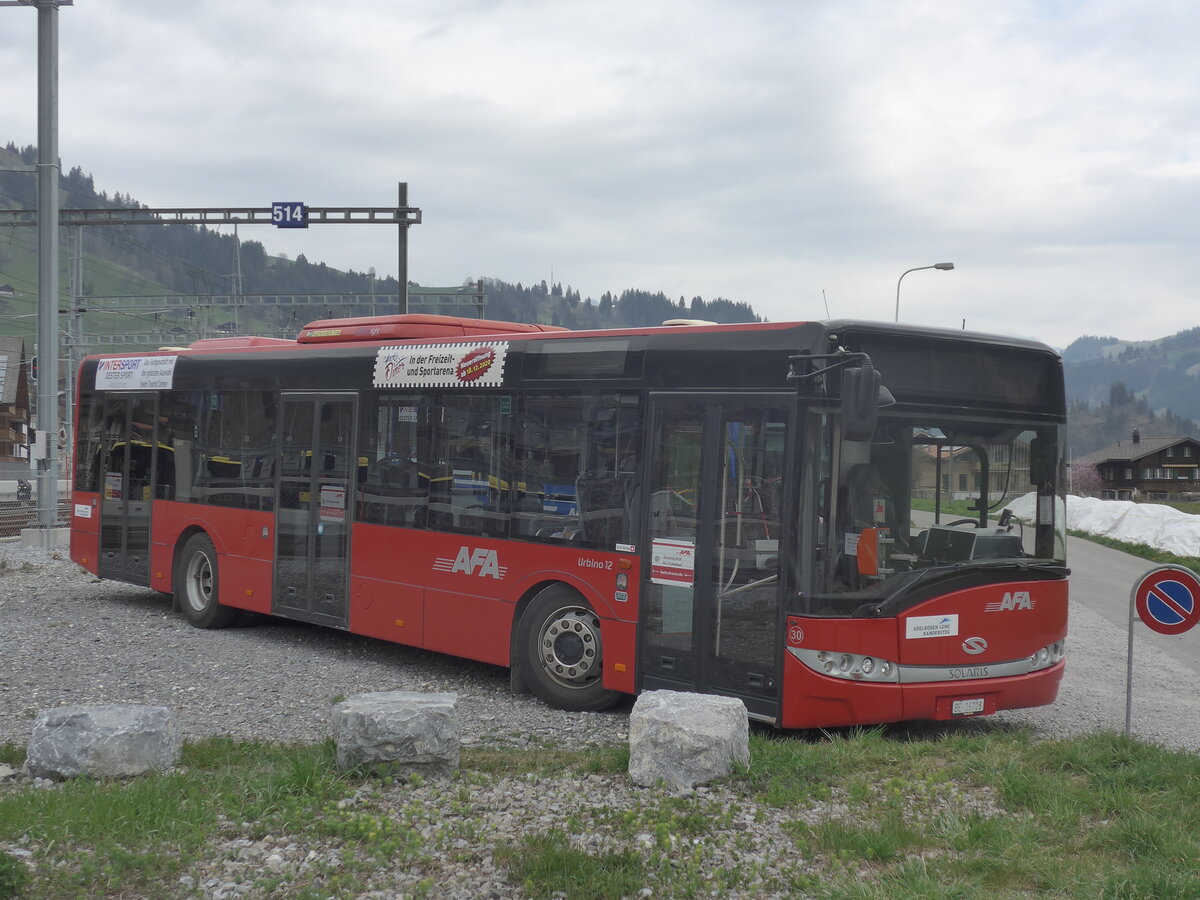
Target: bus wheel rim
(569,647)
(199,582)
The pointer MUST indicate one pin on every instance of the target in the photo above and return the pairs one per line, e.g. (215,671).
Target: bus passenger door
(316,485)
(710,610)
(127,467)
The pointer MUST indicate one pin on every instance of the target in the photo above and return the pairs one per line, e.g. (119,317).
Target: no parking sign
(1167,600)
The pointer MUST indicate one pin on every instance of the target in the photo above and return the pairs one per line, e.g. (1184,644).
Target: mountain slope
(195,263)
(1165,372)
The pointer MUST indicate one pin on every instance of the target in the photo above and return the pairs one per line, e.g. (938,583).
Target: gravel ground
(67,638)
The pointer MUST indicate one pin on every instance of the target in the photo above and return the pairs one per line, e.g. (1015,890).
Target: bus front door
(127,468)
(313,506)
(710,618)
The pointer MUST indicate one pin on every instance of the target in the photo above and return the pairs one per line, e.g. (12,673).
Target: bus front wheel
(196,585)
(559,642)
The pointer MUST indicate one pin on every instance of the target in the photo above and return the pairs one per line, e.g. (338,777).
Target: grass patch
(885,839)
(12,754)
(1142,551)
(874,813)
(14,877)
(548,865)
(1191,507)
(542,760)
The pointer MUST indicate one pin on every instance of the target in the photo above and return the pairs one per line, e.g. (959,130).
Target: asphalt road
(1102,581)
(1165,696)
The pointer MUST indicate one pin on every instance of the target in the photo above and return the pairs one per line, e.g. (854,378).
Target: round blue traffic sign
(1167,599)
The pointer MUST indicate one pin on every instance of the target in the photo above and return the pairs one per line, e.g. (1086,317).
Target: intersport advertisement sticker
(135,373)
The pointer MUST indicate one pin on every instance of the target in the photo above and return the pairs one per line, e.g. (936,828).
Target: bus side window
(401,470)
(240,434)
(607,483)
(178,411)
(470,433)
(546,462)
(89,442)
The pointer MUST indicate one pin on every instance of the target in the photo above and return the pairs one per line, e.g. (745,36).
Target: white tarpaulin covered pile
(1152,524)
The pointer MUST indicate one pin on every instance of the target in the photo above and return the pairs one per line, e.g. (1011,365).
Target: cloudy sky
(794,155)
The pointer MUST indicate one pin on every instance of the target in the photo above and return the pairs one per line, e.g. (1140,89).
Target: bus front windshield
(926,501)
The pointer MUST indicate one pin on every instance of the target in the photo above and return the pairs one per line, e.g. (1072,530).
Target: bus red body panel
(85,530)
(459,593)
(243,539)
(818,701)
(1014,621)
(935,701)
(387,610)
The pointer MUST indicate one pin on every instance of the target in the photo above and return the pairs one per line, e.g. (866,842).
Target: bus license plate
(966,707)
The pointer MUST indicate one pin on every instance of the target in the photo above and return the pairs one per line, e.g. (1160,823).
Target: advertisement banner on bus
(441,365)
(140,373)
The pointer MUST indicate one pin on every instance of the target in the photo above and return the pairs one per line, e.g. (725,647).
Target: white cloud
(764,151)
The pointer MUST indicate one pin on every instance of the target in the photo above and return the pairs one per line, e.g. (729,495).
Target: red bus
(817,518)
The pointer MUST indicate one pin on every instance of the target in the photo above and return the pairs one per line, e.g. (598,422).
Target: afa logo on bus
(478,561)
(1012,600)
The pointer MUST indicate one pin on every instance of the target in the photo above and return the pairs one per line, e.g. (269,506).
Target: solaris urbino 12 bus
(812,517)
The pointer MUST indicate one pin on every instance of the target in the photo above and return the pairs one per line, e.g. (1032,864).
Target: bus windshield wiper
(938,572)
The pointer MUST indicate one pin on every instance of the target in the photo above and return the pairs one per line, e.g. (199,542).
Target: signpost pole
(1167,600)
(1129,662)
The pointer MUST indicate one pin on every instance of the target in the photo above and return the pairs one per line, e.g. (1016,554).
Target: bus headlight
(1048,656)
(849,666)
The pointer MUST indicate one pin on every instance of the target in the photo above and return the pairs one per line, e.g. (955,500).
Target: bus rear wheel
(196,585)
(561,654)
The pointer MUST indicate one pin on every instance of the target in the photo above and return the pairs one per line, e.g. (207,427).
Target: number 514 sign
(289,215)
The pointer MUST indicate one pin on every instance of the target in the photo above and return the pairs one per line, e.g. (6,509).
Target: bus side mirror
(860,401)
(1041,460)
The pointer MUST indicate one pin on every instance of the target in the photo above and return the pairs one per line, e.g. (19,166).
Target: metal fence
(18,500)
(16,515)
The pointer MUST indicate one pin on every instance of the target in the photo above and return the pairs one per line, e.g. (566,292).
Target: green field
(961,812)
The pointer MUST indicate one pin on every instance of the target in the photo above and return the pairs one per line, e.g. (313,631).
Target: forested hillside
(1114,386)
(1165,372)
(195,262)
(1092,426)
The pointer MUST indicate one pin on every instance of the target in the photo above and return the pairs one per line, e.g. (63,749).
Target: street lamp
(945,267)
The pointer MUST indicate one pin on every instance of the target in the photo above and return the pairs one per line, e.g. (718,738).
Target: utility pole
(402,270)
(237,278)
(47,326)
(73,331)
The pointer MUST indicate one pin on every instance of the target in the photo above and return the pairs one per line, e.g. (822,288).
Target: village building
(1166,468)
